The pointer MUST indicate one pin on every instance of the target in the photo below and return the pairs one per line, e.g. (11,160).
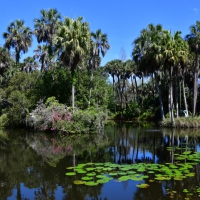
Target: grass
(182,122)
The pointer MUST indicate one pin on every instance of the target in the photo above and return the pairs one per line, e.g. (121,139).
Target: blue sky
(121,20)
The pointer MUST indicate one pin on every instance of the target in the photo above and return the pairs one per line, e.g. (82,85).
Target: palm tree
(175,51)
(18,37)
(194,42)
(41,53)
(147,56)
(99,47)
(29,64)
(73,44)
(46,27)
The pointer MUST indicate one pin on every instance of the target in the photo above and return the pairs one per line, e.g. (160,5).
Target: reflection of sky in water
(118,191)
(25,191)
(142,155)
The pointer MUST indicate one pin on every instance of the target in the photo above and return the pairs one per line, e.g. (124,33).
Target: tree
(46,26)
(99,47)
(41,53)
(175,51)
(73,44)
(146,54)
(194,42)
(18,37)
(29,64)
(5,60)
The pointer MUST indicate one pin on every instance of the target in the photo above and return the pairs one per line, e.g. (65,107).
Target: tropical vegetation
(62,85)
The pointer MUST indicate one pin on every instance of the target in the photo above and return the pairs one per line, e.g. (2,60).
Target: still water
(33,165)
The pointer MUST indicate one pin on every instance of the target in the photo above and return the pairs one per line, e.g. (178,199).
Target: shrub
(57,117)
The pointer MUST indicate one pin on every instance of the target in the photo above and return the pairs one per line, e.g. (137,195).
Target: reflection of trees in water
(127,142)
(131,145)
(24,160)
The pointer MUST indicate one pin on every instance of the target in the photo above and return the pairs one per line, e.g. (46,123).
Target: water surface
(33,165)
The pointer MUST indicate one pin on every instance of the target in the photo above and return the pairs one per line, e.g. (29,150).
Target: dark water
(33,165)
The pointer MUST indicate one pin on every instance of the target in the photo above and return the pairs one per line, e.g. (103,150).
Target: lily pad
(143,185)
(91,183)
(70,174)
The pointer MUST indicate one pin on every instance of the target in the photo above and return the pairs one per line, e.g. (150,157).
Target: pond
(125,162)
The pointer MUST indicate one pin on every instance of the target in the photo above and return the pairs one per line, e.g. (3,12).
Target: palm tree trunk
(184,96)
(152,86)
(196,68)
(120,92)
(171,98)
(91,80)
(136,88)
(176,97)
(73,87)
(160,97)
(133,99)
(113,77)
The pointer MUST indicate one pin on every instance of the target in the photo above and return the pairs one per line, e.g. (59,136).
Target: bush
(3,121)
(58,117)
(17,113)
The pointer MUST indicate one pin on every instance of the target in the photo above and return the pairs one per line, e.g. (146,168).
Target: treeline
(63,80)
(170,65)
(66,60)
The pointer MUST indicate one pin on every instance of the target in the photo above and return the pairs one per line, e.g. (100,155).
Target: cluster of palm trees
(168,59)
(68,42)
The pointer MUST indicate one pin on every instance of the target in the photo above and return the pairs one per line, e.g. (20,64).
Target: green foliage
(148,115)
(133,111)
(54,116)
(3,120)
(19,110)
(83,121)
(51,102)
(55,83)
(182,122)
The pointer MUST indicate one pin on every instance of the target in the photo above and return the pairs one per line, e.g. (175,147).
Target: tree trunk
(153,86)
(91,82)
(171,98)
(195,89)
(73,88)
(113,76)
(120,92)
(133,99)
(160,97)
(176,97)
(184,96)
(136,89)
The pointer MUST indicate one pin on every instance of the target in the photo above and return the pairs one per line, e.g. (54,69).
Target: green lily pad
(91,183)
(143,185)
(86,178)
(103,181)
(70,174)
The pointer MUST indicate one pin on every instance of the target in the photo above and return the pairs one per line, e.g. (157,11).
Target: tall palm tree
(194,42)
(99,47)
(73,44)
(46,27)
(19,37)
(146,54)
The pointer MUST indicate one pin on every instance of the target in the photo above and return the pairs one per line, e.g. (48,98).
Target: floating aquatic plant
(143,185)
